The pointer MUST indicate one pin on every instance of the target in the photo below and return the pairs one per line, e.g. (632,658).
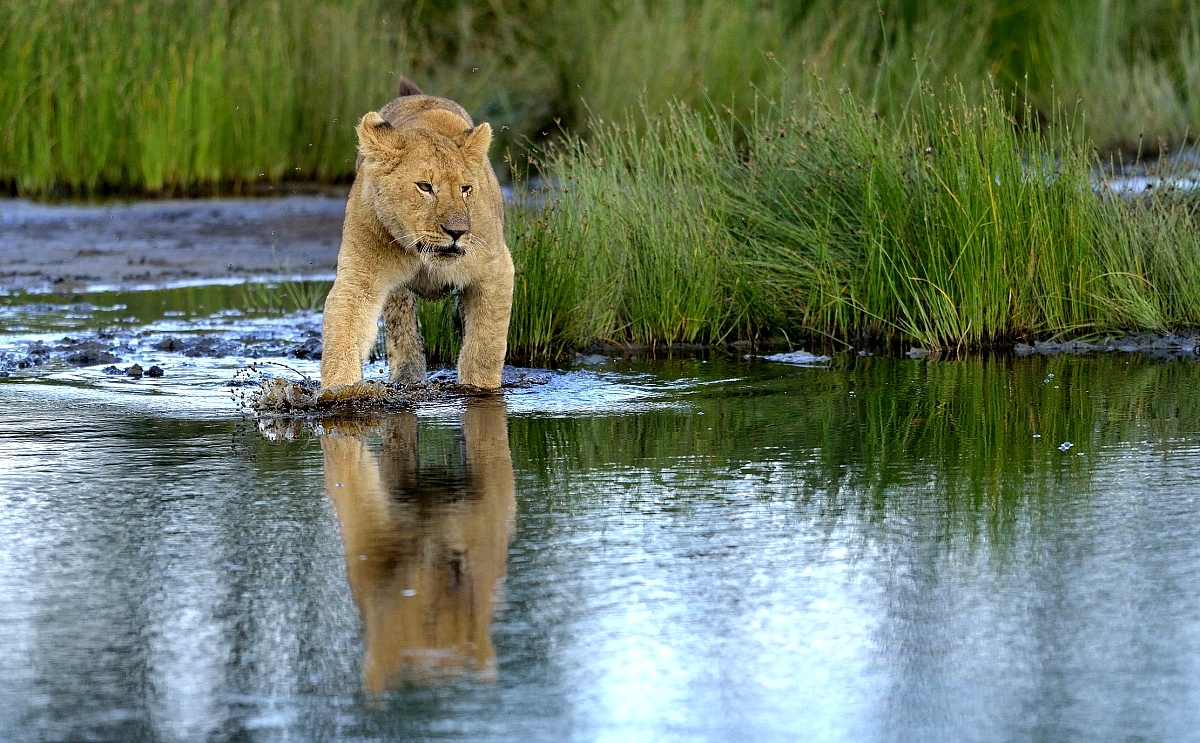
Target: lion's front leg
(348,330)
(486,310)
(405,347)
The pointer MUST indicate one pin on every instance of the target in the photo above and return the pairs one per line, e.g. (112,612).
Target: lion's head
(424,185)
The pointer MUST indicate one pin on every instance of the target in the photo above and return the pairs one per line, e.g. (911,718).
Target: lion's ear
(376,137)
(475,142)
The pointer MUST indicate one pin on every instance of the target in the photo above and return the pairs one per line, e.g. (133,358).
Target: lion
(425,218)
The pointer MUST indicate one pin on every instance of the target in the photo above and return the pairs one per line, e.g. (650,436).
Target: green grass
(283,297)
(171,96)
(181,97)
(963,229)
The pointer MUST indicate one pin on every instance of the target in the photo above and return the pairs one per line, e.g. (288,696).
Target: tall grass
(171,95)
(187,97)
(1129,69)
(961,229)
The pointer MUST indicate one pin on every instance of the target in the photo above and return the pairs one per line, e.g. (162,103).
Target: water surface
(705,549)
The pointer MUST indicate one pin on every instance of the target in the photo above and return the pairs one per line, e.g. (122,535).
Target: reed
(135,96)
(964,229)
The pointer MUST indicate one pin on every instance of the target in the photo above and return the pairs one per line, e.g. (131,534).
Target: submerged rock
(85,353)
(800,358)
(309,349)
(1163,346)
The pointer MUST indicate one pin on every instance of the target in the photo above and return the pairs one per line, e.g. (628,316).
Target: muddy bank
(299,341)
(299,338)
(1163,346)
(76,248)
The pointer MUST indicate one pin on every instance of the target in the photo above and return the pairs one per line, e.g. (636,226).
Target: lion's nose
(453,233)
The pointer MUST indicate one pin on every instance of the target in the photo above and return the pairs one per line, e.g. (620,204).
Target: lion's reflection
(426,536)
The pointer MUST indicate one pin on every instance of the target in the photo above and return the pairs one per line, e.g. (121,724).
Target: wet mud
(301,341)
(107,348)
(1162,346)
(77,248)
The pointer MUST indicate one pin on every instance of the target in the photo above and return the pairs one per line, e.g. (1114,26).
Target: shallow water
(683,550)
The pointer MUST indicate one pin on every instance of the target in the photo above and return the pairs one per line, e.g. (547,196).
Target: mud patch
(78,247)
(70,351)
(106,347)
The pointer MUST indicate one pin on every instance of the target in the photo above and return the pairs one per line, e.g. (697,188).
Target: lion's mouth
(449,251)
(453,250)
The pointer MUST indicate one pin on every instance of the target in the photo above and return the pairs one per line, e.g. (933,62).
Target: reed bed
(171,96)
(962,230)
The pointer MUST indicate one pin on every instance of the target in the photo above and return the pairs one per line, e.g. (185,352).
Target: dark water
(688,550)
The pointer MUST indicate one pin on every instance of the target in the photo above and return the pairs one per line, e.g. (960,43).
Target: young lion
(425,218)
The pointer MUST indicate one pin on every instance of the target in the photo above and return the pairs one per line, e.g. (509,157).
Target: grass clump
(173,96)
(961,229)
(283,297)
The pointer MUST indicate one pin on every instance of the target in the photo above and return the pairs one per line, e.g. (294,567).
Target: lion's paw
(360,391)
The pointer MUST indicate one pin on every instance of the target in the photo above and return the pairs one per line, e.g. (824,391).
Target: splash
(274,396)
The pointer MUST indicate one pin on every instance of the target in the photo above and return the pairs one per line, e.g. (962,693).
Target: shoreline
(73,249)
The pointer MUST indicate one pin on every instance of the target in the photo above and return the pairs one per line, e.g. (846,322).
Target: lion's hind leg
(405,347)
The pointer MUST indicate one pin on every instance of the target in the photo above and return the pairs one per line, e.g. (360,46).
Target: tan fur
(426,546)
(423,179)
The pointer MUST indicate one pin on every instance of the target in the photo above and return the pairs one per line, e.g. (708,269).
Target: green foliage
(187,97)
(964,229)
(178,96)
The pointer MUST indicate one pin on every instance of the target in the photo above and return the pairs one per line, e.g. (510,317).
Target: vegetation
(147,96)
(963,229)
(881,174)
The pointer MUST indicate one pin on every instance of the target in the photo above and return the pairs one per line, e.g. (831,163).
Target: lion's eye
(467,190)
(425,186)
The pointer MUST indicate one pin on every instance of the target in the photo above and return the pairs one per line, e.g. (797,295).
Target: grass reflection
(982,438)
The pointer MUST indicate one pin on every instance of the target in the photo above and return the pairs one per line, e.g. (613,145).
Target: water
(704,549)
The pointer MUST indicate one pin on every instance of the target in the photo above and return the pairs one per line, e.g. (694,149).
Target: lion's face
(424,185)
